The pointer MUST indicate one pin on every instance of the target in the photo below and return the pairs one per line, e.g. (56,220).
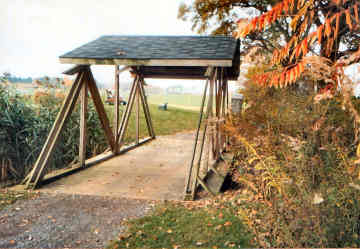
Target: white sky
(34,33)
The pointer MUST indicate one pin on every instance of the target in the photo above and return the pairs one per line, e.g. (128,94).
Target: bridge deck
(155,171)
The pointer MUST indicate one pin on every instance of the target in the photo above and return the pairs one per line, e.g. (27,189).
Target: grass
(164,122)
(172,226)
(8,197)
(186,100)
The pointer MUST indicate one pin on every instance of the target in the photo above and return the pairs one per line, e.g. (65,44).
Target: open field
(164,122)
(184,101)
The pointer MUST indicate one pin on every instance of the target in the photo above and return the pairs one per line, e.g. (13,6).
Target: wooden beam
(67,107)
(75,69)
(126,118)
(99,106)
(127,110)
(137,122)
(149,62)
(173,77)
(190,170)
(83,112)
(146,109)
(116,116)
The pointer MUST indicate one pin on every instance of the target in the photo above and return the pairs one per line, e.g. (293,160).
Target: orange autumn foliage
(291,60)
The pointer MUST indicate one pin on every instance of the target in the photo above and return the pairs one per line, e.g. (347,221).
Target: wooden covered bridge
(215,59)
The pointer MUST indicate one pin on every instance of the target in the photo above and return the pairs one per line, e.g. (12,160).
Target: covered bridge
(215,59)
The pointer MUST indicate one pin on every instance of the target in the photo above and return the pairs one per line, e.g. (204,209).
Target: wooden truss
(213,119)
(209,131)
(83,84)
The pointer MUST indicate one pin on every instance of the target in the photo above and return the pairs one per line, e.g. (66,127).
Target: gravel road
(63,220)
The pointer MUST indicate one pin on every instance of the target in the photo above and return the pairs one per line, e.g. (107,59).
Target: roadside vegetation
(8,197)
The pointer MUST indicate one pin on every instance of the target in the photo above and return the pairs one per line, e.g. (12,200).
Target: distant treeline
(14,79)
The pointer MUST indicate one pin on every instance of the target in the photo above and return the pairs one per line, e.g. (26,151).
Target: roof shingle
(157,47)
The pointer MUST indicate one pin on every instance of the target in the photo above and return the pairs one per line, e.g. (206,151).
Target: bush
(296,162)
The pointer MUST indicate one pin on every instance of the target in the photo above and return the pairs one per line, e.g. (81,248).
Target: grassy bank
(178,226)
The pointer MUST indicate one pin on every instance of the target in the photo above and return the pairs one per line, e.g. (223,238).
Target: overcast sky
(34,33)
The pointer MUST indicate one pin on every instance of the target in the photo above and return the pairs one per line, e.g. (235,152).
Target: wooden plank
(83,112)
(116,116)
(67,107)
(151,62)
(99,106)
(75,69)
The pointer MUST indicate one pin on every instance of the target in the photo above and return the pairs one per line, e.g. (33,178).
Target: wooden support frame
(67,107)
(99,106)
(216,103)
(83,84)
(137,94)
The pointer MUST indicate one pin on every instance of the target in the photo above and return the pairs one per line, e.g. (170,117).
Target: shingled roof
(139,50)
(183,57)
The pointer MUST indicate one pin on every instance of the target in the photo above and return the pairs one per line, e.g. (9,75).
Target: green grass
(164,122)
(188,100)
(173,226)
(8,197)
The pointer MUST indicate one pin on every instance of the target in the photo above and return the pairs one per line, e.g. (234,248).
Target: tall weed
(24,128)
(295,161)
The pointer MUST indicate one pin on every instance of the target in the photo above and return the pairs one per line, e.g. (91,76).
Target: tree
(219,17)
(5,77)
(327,29)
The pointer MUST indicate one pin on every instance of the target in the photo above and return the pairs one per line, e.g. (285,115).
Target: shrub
(295,161)
(24,129)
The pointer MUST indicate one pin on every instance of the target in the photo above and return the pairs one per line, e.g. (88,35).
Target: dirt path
(87,209)
(63,220)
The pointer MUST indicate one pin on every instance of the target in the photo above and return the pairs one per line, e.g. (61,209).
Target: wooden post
(116,121)
(83,112)
(67,107)
(137,122)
